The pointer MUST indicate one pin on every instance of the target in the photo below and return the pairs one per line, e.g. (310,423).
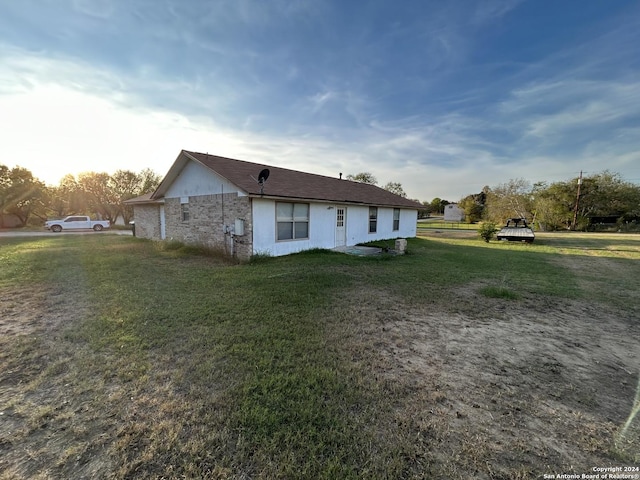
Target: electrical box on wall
(239,227)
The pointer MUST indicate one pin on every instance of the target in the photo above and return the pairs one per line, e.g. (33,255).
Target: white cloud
(490,10)
(62,115)
(54,131)
(95,8)
(320,99)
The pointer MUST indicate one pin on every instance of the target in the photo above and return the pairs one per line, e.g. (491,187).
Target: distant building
(453,213)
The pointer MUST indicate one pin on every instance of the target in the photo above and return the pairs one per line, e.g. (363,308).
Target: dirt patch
(521,389)
(47,418)
(24,312)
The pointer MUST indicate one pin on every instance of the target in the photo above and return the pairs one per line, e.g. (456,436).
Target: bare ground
(508,389)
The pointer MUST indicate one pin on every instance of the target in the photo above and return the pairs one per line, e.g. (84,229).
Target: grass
(441,224)
(182,365)
(499,292)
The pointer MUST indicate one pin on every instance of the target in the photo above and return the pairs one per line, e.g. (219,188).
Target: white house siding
(195,180)
(358,224)
(322,227)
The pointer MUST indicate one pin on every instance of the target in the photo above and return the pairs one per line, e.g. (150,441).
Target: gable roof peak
(285,182)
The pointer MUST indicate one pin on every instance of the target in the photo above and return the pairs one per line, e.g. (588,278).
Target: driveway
(44,232)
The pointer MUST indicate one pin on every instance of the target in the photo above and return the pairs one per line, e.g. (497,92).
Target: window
(396,219)
(373,219)
(185,212)
(292,221)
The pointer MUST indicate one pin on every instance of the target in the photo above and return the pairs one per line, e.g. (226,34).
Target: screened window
(396,219)
(185,212)
(373,219)
(292,221)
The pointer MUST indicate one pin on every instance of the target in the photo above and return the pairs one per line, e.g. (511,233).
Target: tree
(363,177)
(552,205)
(438,204)
(508,200)
(149,181)
(67,198)
(607,194)
(473,205)
(21,194)
(100,199)
(425,211)
(100,194)
(5,183)
(125,184)
(396,188)
(604,195)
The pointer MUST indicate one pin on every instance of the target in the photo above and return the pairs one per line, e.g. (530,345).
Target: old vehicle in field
(516,230)
(76,222)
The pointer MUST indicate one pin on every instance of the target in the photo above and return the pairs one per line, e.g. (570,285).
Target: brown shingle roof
(146,198)
(293,184)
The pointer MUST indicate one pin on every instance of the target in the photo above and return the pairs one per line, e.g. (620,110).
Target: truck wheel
(56,228)
(97,228)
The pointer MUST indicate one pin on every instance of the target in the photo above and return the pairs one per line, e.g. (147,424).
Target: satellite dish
(262,177)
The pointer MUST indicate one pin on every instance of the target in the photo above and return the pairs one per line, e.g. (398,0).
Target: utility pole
(575,210)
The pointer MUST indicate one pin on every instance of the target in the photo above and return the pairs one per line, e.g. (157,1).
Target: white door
(163,229)
(341,226)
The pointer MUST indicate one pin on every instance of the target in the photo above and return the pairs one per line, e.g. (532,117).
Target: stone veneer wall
(206,226)
(147,218)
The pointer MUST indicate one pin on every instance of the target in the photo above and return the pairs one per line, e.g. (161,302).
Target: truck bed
(516,234)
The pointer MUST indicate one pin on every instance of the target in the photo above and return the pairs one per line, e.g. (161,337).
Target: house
(246,208)
(453,213)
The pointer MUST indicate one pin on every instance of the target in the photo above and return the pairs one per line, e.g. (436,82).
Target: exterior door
(341,226)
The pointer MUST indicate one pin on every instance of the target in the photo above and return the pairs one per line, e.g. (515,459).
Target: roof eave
(333,201)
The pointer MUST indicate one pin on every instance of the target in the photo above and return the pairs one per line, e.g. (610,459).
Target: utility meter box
(239,227)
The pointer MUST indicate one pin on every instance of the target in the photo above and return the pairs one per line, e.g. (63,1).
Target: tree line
(435,206)
(99,195)
(580,203)
(594,202)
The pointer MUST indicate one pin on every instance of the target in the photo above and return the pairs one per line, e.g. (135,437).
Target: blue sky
(444,97)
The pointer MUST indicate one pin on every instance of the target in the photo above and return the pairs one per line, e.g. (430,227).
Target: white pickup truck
(76,222)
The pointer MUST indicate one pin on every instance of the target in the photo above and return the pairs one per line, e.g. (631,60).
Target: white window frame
(373,219)
(296,218)
(396,219)
(184,212)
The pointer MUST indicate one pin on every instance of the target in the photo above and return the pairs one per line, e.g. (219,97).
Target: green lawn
(138,361)
(441,224)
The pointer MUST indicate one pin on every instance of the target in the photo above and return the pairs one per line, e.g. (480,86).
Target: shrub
(487,230)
